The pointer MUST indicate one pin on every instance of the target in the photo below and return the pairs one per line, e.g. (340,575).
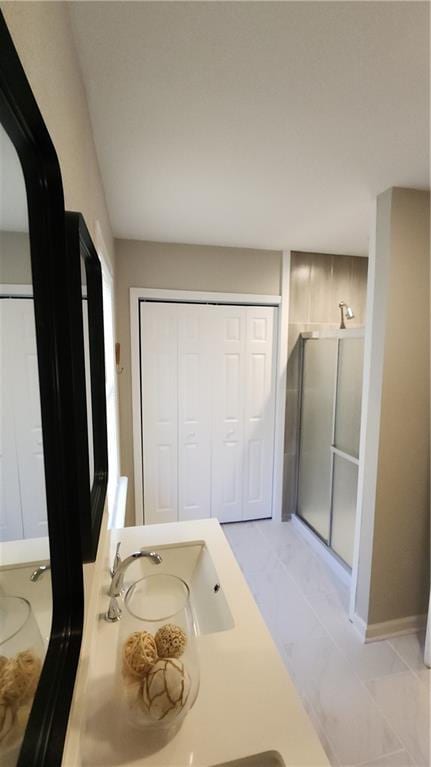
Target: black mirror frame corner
(80,248)
(20,117)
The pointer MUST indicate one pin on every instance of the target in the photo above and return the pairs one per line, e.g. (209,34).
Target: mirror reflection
(25,583)
(85,325)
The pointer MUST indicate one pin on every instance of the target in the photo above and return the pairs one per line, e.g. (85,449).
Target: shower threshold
(321,547)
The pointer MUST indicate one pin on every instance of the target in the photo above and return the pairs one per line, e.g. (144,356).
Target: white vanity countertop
(247,703)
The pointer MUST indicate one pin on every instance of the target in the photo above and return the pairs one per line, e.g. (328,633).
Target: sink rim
(251,760)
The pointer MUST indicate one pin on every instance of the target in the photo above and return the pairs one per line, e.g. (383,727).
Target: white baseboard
(360,626)
(374,632)
(320,549)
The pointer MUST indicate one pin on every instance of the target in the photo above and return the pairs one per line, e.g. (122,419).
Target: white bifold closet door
(208,396)
(23,496)
(194,412)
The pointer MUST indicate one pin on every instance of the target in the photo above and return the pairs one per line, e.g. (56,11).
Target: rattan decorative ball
(165,690)
(14,726)
(7,720)
(19,677)
(171,641)
(18,681)
(139,654)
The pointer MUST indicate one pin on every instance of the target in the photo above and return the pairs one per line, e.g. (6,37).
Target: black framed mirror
(89,345)
(43,716)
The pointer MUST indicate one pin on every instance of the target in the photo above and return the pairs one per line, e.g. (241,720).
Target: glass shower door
(345,448)
(317,414)
(331,392)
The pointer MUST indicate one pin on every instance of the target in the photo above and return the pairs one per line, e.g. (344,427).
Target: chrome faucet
(117,583)
(36,574)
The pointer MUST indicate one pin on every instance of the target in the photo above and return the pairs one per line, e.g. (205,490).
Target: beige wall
(15,266)
(318,282)
(42,35)
(181,267)
(394,552)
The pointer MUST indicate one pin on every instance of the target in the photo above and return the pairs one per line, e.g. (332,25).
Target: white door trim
(280,388)
(200,297)
(253,299)
(24,291)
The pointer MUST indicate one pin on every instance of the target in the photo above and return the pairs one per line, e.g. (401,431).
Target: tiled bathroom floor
(370,704)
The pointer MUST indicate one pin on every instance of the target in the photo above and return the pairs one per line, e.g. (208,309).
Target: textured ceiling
(268,125)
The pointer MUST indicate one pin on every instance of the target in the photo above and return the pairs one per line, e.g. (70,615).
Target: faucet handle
(117,560)
(114,611)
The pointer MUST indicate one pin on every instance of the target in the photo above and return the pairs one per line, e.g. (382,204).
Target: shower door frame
(338,335)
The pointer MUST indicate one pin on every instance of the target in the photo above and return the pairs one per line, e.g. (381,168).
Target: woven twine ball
(165,690)
(18,678)
(18,681)
(15,725)
(171,641)
(139,654)
(7,721)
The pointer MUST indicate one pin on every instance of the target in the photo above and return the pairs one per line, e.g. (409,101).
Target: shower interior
(331,364)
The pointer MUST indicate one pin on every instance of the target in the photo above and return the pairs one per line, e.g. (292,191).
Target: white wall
(42,35)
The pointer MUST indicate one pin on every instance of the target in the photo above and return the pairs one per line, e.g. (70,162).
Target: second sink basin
(192,562)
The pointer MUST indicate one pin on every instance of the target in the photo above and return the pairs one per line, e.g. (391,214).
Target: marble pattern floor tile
(252,551)
(399,759)
(323,736)
(367,702)
(411,648)
(404,701)
(367,660)
(281,602)
(348,715)
(313,576)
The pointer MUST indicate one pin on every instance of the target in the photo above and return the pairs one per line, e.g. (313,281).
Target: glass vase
(158,661)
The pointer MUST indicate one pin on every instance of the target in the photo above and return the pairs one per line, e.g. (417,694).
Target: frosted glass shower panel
(349,392)
(314,489)
(344,495)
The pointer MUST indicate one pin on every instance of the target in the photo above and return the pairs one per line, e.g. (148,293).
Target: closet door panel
(159,382)
(194,412)
(228,376)
(11,527)
(28,421)
(259,389)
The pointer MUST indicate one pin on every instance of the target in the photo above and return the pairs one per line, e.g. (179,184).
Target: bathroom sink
(191,562)
(16,581)
(266,759)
